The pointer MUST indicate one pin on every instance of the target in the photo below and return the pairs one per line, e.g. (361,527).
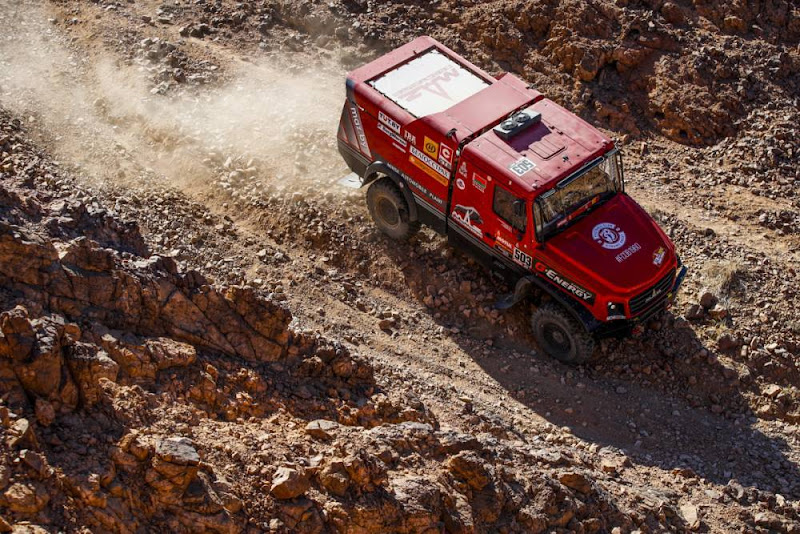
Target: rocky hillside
(200,330)
(140,398)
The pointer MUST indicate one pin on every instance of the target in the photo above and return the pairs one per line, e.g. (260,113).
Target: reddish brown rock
(288,483)
(471,468)
(25,497)
(577,481)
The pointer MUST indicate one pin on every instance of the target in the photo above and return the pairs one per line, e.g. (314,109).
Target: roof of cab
(557,145)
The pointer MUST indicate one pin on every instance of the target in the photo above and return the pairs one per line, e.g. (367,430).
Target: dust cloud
(266,124)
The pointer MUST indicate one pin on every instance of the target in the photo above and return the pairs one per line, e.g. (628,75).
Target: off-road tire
(389,210)
(559,335)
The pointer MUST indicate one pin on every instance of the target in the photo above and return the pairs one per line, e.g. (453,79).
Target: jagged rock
(34,352)
(25,497)
(130,353)
(21,434)
(452,442)
(288,483)
(335,479)
(691,515)
(471,468)
(577,481)
(534,521)
(321,428)
(177,450)
(36,462)
(88,366)
(420,500)
(45,413)
(174,466)
(301,516)
(168,353)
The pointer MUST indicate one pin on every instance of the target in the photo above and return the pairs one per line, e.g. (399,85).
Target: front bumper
(623,327)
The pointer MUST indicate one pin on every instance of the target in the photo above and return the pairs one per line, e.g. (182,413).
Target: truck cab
(528,188)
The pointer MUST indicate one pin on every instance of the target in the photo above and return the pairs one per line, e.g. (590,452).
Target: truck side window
(503,205)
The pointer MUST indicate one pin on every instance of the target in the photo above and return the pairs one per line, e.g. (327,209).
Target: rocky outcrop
(82,280)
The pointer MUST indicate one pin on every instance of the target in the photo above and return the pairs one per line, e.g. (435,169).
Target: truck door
(513,231)
(470,205)
(491,221)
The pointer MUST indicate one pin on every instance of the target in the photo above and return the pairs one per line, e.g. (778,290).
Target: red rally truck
(530,189)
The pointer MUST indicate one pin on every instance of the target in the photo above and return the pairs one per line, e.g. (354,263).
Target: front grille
(651,295)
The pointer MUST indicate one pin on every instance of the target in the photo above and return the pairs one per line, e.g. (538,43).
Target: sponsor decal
(565,283)
(628,252)
(425,163)
(659,255)
(362,138)
(462,169)
(446,156)
(478,182)
(411,138)
(388,121)
(522,258)
(431,147)
(608,235)
(416,185)
(427,170)
(521,166)
(434,83)
(396,138)
(469,218)
(460,184)
(504,242)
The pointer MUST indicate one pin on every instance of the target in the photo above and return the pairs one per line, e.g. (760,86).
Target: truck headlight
(616,310)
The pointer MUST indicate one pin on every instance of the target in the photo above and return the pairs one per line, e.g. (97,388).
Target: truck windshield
(578,194)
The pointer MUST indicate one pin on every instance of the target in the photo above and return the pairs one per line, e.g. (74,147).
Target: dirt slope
(202,135)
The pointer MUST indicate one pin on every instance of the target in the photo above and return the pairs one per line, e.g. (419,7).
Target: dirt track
(234,172)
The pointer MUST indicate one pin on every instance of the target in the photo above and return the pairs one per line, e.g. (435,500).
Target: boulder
(707,299)
(177,450)
(577,481)
(335,479)
(471,468)
(173,468)
(89,366)
(321,428)
(25,497)
(288,483)
(34,351)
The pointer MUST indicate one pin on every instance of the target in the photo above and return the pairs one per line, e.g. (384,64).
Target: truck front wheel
(560,335)
(389,210)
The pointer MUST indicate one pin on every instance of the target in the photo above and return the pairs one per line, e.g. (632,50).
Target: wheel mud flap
(521,290)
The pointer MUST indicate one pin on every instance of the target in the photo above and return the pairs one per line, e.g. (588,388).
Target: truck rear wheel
(560,335)
(389,210)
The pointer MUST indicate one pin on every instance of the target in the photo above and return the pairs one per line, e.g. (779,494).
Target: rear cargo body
(475,157)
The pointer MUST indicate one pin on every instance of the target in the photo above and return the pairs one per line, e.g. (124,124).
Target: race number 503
(522,258)
(521,166)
